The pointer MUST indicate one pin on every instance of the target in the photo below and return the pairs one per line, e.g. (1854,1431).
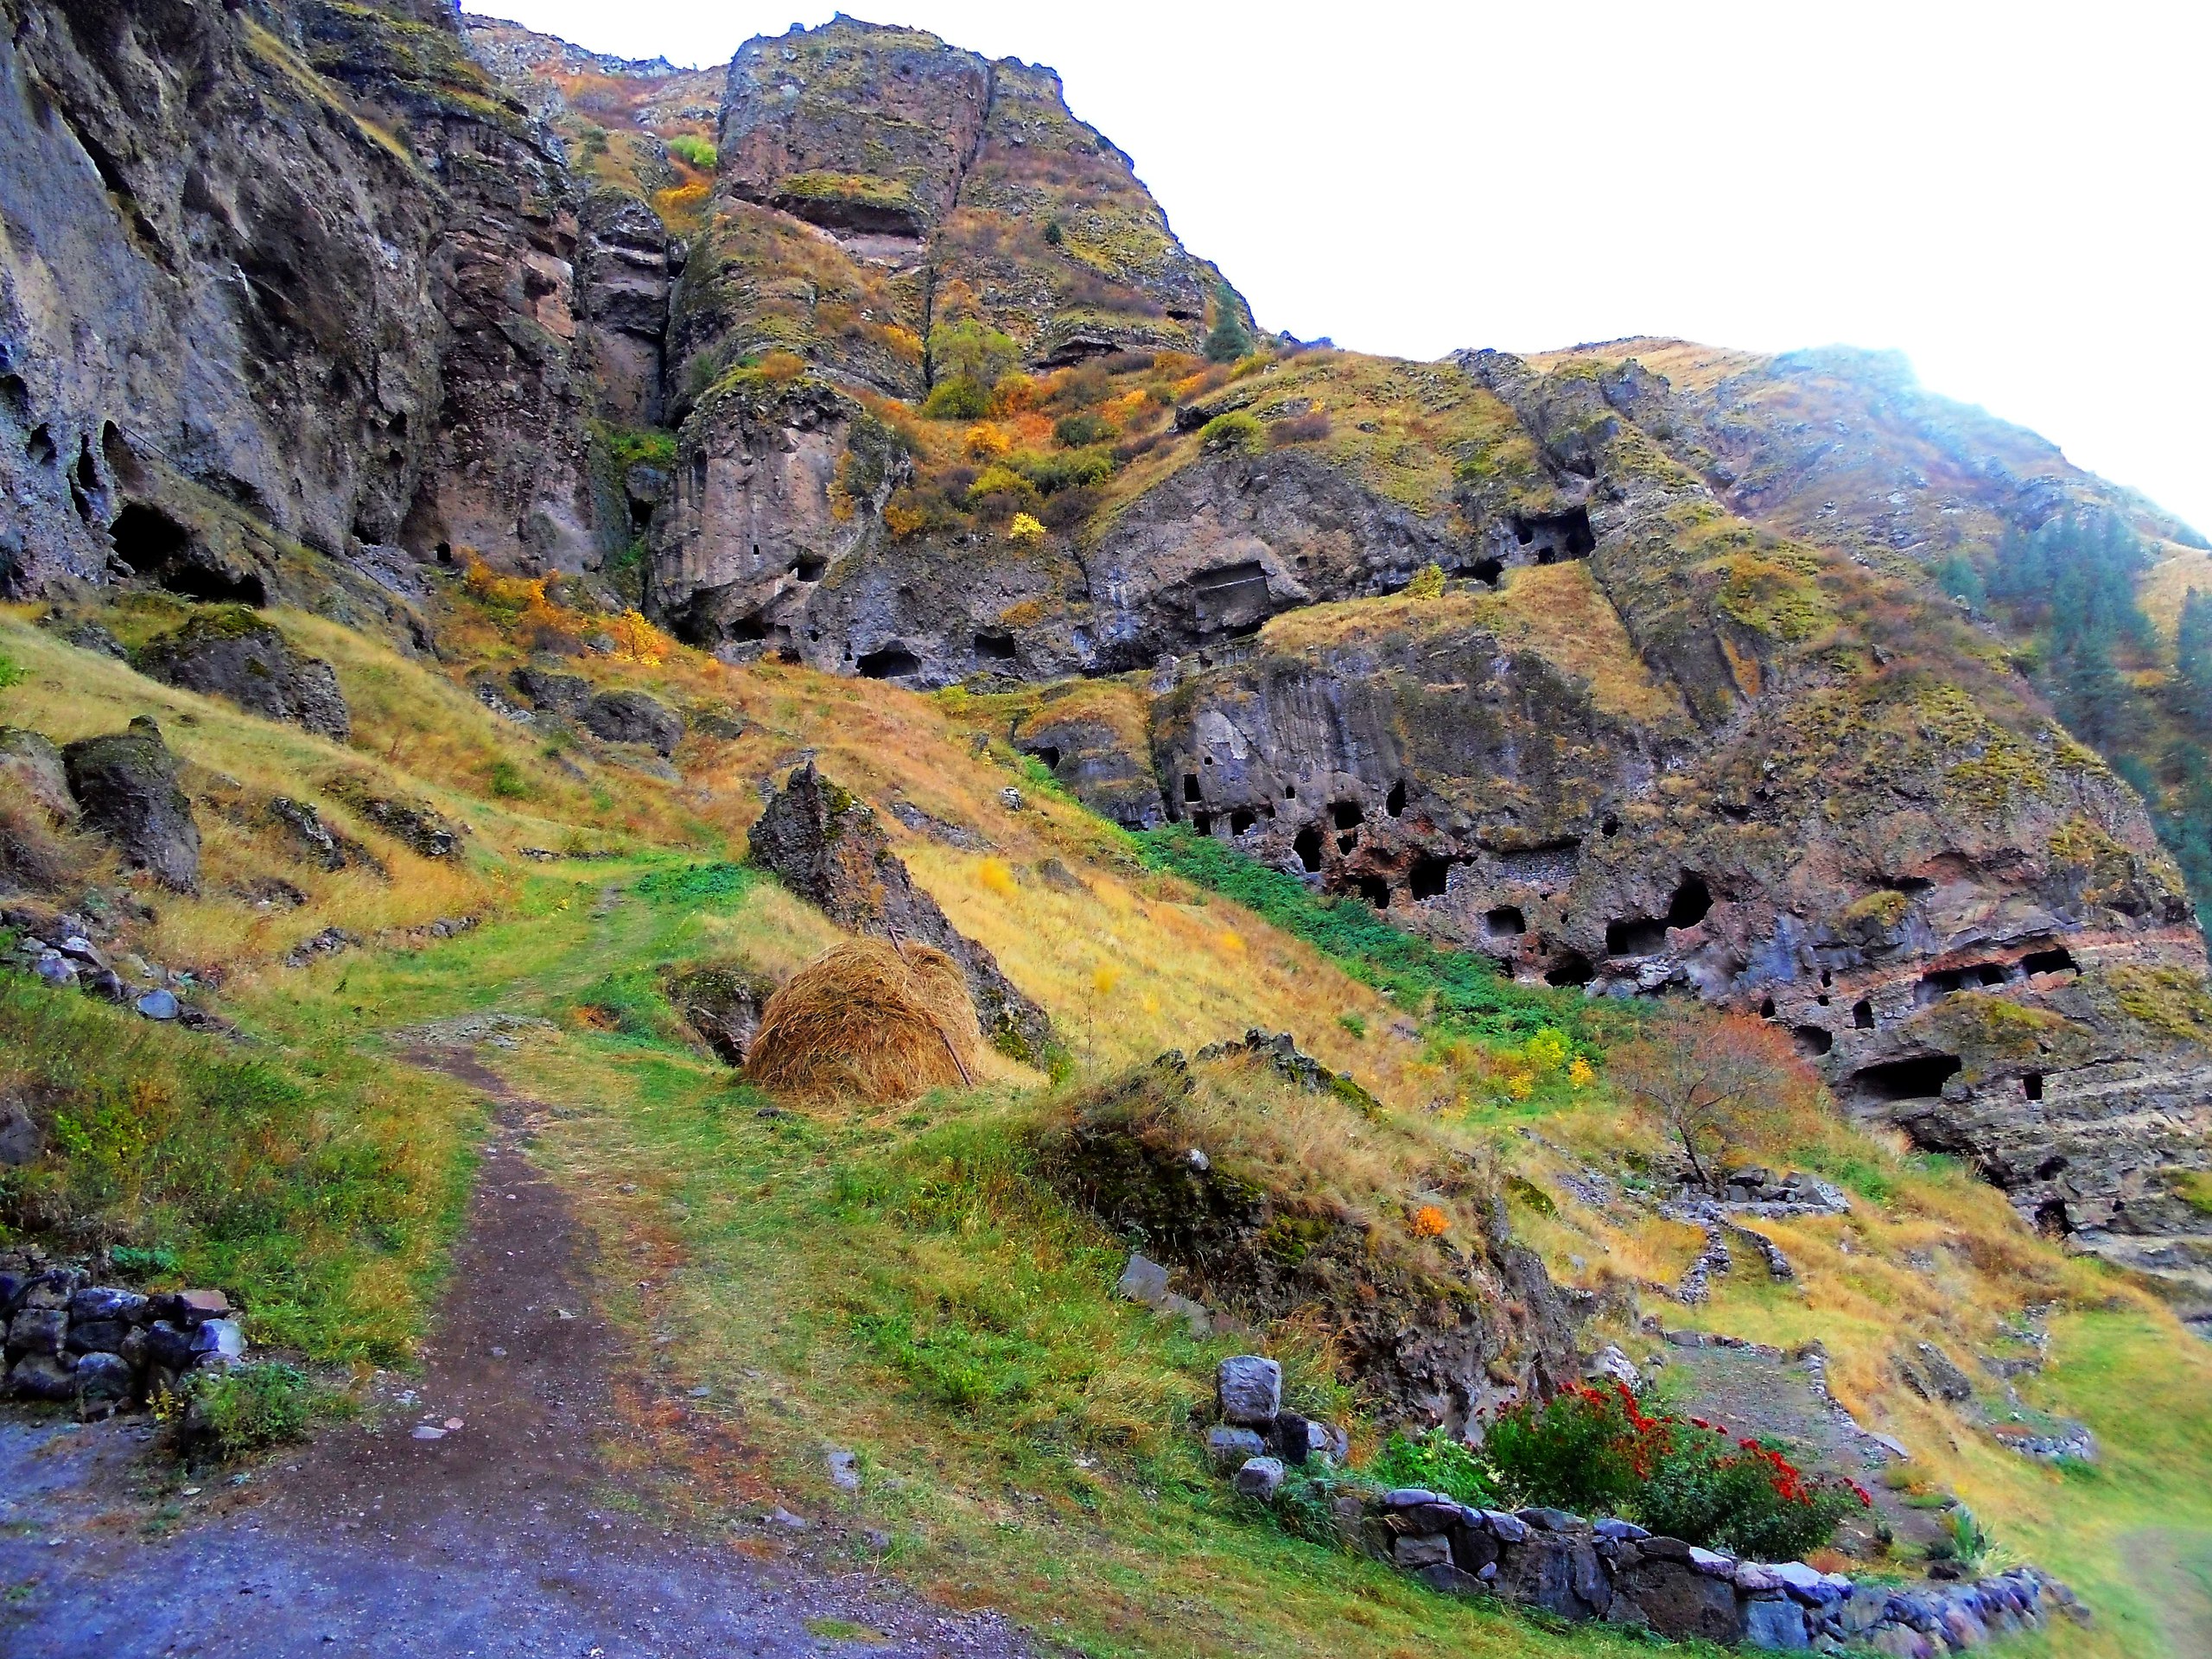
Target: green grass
(1462,992)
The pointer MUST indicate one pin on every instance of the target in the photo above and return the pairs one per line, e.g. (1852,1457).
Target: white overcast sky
(2017,196)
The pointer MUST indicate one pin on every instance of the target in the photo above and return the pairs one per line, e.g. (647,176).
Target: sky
(2017,196)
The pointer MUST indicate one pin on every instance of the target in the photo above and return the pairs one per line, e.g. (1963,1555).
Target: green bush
(509,782)
(251,1408)
(1578,1451)
(10,673)
(1437,1461)
(695,151)
(1237,432)
(962,397)
(969,350)
(1229,339)
(1076,430)
(1072,469)
(1427,582)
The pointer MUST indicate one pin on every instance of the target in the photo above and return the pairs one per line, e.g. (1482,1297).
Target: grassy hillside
(903,1282)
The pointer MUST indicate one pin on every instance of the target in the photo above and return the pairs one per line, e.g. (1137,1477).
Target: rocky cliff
(1622,666)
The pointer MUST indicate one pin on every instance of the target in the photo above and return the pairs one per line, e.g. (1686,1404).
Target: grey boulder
(1249,1389)
(125,782)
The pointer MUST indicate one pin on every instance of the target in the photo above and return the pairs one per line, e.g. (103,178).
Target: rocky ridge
(303,296)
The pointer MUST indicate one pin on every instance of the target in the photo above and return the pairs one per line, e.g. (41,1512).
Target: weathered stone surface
(1417,1550)
(104,1378)
(1259,1477)
(232,652)
(1229,1448)
(125,782)
(1248,1389)
(828,849)
(43,1376)
(1677,1601)
(37,1331)
(29,760)
(1777,1624)
(632,717)
(722,1002)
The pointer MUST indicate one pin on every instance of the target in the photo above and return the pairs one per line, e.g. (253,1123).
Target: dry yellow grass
(2165,584)
(867,1020)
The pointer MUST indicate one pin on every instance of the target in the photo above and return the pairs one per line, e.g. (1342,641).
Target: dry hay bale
(866,1020)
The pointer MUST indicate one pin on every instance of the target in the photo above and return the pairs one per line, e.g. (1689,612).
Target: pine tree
(1229,339)
(2193,660)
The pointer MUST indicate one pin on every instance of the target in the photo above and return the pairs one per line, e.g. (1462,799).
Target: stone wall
(102,1346)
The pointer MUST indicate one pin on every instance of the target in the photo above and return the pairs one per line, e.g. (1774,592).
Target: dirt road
(469,1513)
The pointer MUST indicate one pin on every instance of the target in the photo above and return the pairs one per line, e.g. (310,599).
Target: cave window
(1049,754)
(1812,1041)
(641,517)
(1690,903)
(1921,1078)
(1290,791)
(1203,823)
(2031,1085)
(1826,979)
(1611,827)
(88,475)
(1396,805)
(40,447)
(1637,936)
(995,646)
(1572,967)
(1346,814)
(2050,1218)
(2053,961)
(1505,919)
(893,662)
(1308,845)
(1345,843)
(1862,1014)
(1430,877)
(809,567)
(146,539)
(1487,570)
(445,552)
(749,628)
(1240,821)
(1190,790)
(1376,891)
(1766,1007)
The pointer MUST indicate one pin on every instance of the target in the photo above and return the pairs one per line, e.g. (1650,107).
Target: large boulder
(632,717)
(232,653)
(125,782)
(30,761)
(721,1001)
(828,849)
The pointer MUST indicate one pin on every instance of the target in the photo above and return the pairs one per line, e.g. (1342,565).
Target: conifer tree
(1229,339)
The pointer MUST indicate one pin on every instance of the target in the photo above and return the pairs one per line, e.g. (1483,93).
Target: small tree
(1229,339)
(1707,1080)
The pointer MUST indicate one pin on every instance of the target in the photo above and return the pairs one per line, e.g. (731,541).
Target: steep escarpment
(1622,666)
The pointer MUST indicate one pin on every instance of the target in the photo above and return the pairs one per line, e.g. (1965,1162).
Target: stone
(1249,1388)
(43,1376)
(1293,1438)
(1613,1527)
(1613,1366)
(1230,1448)
(631,717)
(104,1379)
(108,1302)
(1549,1571)
(1260,1477)
(552,693)
(126,784)
(1447,1580)
(1753,1577)
(97,1336)
(221,1338)
(1659,1547)
(38,1330)
(1677,1601)
(1509,1529)
(1416,1550)
(1142,1280)
(1713,1563)
(1403,1498)
(826,845)
(1774,1622)
(22,1141)
(230,652)
(722,1003)
(34,763)
(159,1005)
(302,824)
(1551,1520)
(1474,1546)
(1808,1584)
(1949,1381)
(844,1468)
(187,1307)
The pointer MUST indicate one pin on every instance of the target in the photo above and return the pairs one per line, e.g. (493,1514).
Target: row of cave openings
(146,539)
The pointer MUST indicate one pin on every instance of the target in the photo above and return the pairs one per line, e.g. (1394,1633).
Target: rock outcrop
(827,847)
(231,652)
(125,785)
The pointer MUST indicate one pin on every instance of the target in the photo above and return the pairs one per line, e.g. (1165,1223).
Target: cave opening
(1240,821)
(1554,537)
(1395,803)
(994,645)
(1203,823)
(1812,1041)
(1190,790)
(1487,570)
(1691,901)
(1290,791)
(892,662)
(809,567)
(1376,891)
(1430,877)
(1505,921)
(1572,968)
(1634,935)
(1862,1015)
(2051,1220)
(1346,815)
(749,628)
(1921,1077)
(154,545)
(1307,845)
(2031,1084)
(2057,960)
(1766,1007)
(1049,754)
(1345,843)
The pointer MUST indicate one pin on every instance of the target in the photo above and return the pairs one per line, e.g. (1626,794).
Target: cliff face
(868,353)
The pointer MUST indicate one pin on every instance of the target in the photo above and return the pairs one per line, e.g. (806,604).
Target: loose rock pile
(102,1346)
(1613,1570)
(62,951)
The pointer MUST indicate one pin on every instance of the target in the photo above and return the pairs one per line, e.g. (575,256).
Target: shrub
(986,442)
(1236,432)
(1595,1450)
(960,398)
(693,151)
(1069,469)
(1427,582)
(969,350)
(1024,529)
(508,781)
(1434,1460)
(10,674)
(1300,428)
(1074,431)
(1708,1081)
(249,1409)
(1000,492)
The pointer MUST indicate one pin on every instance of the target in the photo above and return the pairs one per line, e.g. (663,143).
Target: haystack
(867,1020)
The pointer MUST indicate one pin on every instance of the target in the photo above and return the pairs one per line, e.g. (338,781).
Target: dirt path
(403,1534)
